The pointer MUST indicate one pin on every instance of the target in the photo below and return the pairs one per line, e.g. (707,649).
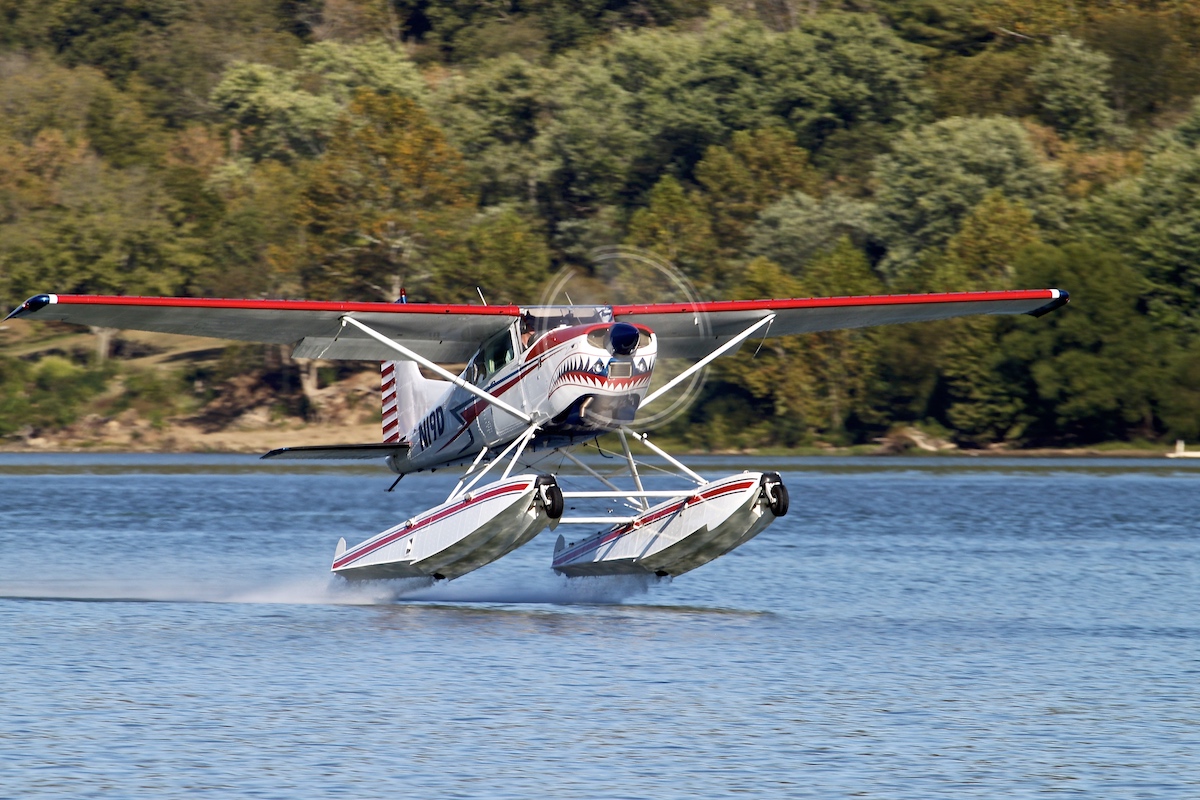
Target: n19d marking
(430,428)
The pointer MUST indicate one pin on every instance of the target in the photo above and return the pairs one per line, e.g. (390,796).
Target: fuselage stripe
(472,412)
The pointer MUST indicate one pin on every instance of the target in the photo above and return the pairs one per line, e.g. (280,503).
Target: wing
(692,330)
(445,333)
(452,333)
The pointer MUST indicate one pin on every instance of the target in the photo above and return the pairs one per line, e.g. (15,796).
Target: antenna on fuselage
(481,297)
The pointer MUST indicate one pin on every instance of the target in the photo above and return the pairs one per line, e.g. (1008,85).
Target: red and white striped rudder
(391,417)
(407,396)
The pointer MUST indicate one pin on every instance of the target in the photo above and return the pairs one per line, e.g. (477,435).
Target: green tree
(675,226)
(788,389)
(994,82)
(37,94)
(389,190)
(249,239)
(449,26)
(1154,219)
(179,66)
(377,65)
(868,86)
(937,173)
(1072,85)
(1153,60)
(492,114)
(982,256)
(288,114)
(109,232)
(828,81)
(272,115)
(465,30)
(1032,18)
(192,157)
(569,25)
(842,363)
(799,228)
(112,35)
(587,148)
(47,395)
(1180,395)
(1187,133)
(756,169)
(1095,369)
(769,385)
(984,403)
(943,27)
(501,252)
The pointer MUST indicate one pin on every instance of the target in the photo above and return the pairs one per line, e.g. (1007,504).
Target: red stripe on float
(367,548)
(641,522)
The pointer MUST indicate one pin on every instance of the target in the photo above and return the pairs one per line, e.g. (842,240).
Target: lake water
(914,628)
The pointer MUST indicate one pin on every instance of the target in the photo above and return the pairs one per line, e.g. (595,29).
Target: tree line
(347,148)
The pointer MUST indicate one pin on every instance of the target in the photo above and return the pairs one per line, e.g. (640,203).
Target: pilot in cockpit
(527,331)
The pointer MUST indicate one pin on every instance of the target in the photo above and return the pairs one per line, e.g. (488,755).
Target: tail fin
(407,397)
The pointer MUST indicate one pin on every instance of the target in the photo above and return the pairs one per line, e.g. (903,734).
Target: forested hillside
(344,149)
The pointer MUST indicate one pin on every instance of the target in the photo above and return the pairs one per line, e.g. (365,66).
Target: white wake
(329,590)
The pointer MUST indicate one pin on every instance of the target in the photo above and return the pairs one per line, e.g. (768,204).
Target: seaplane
(545,379)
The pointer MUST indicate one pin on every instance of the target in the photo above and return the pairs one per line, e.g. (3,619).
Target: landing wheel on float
(776,493)
(550,496)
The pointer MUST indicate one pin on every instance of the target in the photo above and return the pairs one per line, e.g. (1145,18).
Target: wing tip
(1061,298)
(32,306)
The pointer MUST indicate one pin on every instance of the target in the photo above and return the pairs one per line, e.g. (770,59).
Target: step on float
(461,535)
(680,534)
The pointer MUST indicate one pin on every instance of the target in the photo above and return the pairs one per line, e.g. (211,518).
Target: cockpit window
(547,318)
(495,353)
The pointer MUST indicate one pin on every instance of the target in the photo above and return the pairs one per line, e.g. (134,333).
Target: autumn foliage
(346,149)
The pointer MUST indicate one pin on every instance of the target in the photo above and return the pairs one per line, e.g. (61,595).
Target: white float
(680,534)
(463,534)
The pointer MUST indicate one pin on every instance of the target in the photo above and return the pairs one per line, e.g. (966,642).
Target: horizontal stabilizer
(341,451)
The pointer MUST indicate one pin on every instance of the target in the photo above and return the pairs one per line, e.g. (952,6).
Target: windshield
(547,318)
(492,356)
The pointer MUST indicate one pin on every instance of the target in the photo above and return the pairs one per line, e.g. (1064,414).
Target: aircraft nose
(624,338)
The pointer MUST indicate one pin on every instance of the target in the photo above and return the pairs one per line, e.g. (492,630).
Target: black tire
(552,497)
(777,493)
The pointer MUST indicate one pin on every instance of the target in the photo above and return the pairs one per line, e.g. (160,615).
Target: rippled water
(913,629)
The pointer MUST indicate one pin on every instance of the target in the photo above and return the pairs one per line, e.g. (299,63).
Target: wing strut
(616,490)
(704,362)
(467,474)
(450,376)
(637,478)
(517,444)
(644,439)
